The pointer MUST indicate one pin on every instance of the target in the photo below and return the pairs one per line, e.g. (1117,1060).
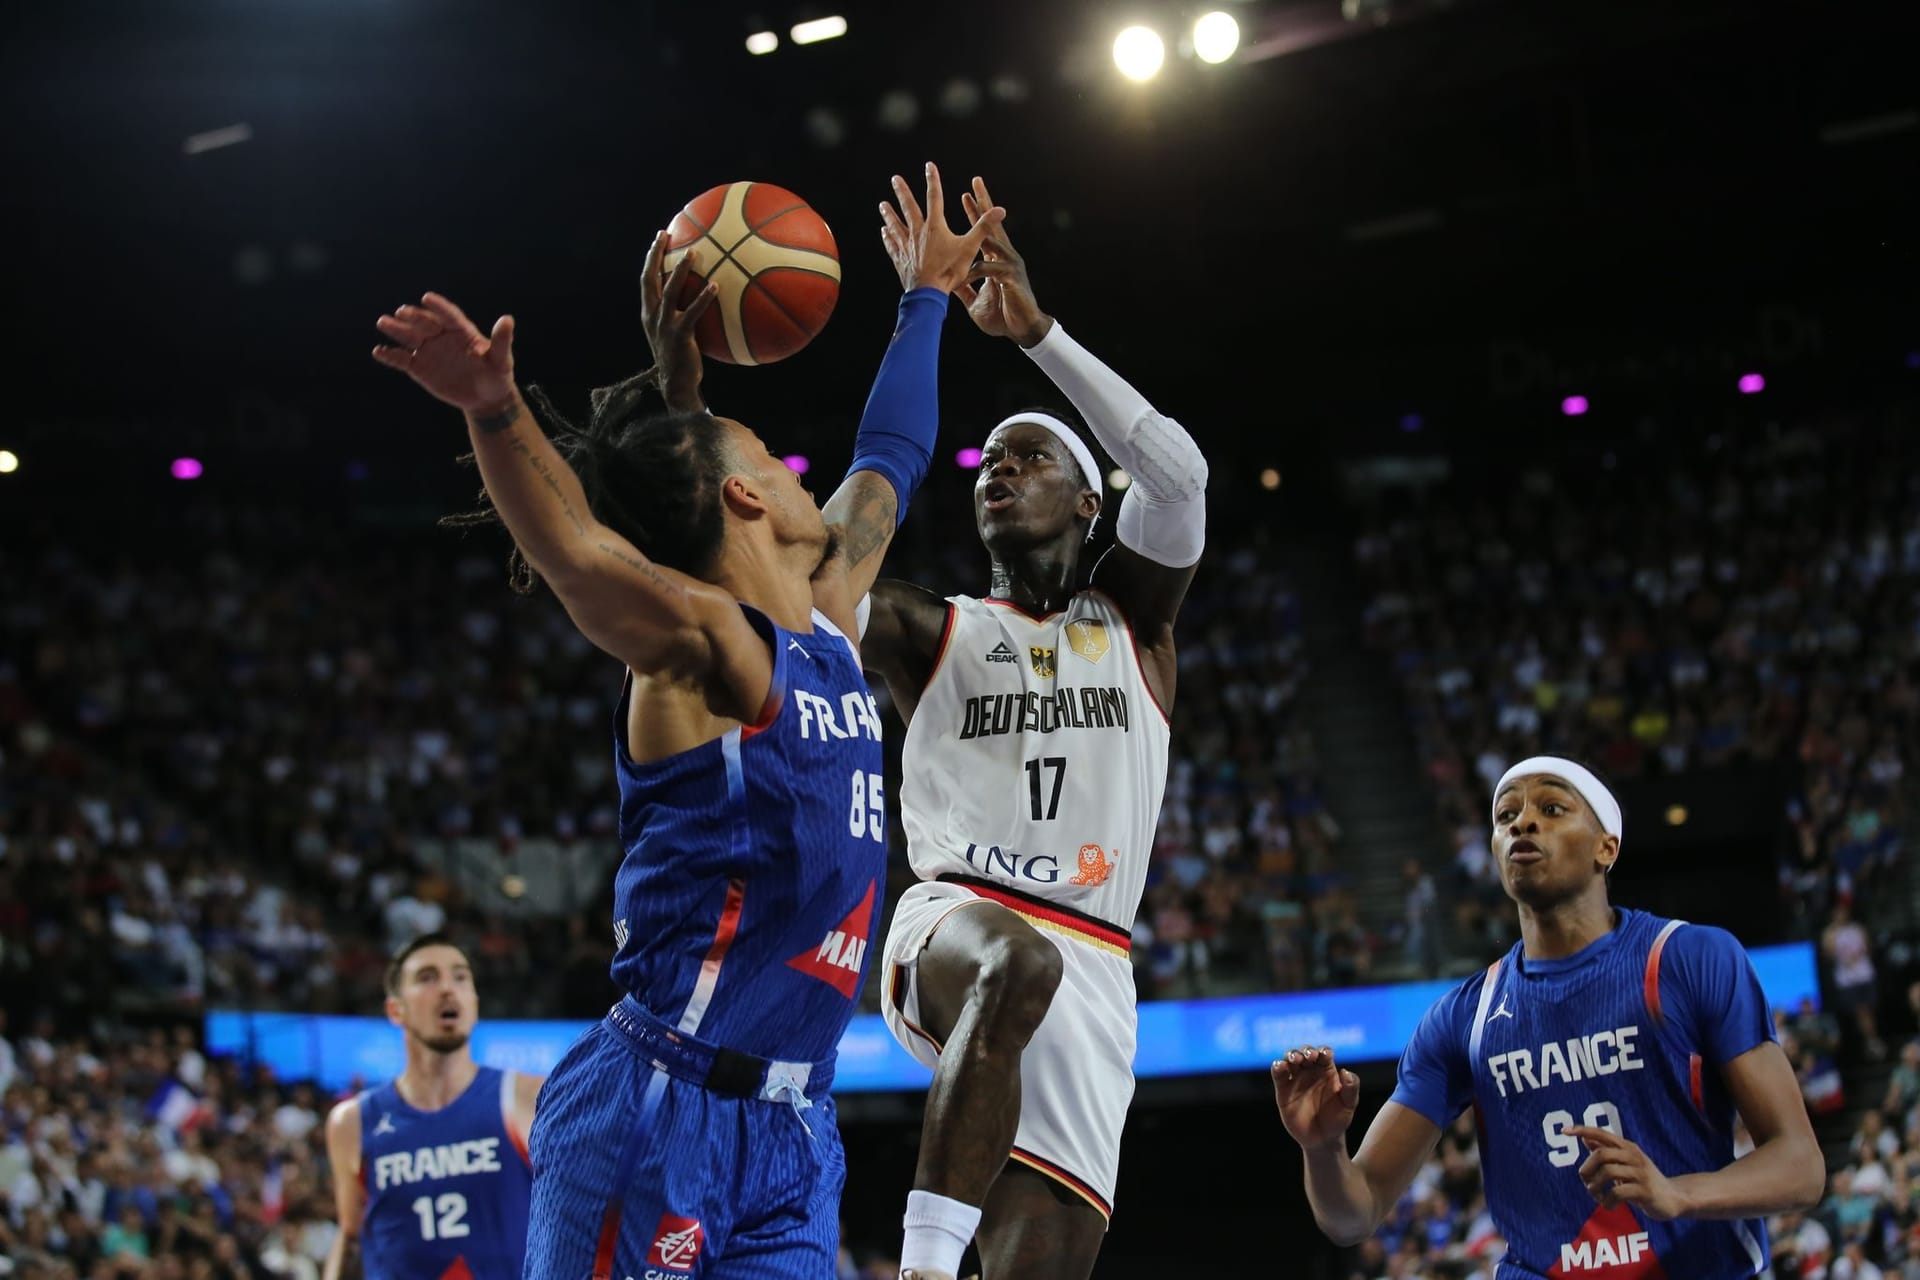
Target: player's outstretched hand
(1316,1097)
(1002,305)
(1618,1170)
(439,348)
(669,326)
(924,249)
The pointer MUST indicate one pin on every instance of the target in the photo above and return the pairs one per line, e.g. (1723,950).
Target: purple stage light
(187,468)
(1574,406)
(797,463)
(1752,384)
(968,458)
(1412,422)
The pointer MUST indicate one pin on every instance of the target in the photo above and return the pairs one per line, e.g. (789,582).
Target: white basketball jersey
(1037,757)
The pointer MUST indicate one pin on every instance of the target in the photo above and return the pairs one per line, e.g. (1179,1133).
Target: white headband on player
(1591,789)
(1067,436)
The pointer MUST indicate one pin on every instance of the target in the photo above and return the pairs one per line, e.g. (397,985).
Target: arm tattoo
(871,523)
(494,424)
(645,568)
(552,482)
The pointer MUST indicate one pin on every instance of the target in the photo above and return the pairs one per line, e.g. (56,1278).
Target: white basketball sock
(938,1232)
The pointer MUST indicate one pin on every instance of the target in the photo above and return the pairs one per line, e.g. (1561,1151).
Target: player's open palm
(925,250)
(439,348)
(1002,305)
(1316,1097)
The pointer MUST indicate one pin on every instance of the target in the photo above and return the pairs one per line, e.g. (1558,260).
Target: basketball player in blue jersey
(691,1132)
(430,1173)
(1605,1057)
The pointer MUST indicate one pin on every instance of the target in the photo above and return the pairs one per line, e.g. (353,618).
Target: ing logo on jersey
(1094,866)
(676,1243)
(1088,639)
(1042,661)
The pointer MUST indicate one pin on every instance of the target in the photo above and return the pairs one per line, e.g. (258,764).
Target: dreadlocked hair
(654,480)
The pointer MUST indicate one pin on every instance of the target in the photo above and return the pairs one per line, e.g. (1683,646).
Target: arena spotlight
(818,29)
(968,458)
(797,463)
(1117,479)
(1215,36)
(1574,406)
(1270,479)
(1138,52)
(1676,815)
(187,469)
(763,42)
(9,462)
(1752,384)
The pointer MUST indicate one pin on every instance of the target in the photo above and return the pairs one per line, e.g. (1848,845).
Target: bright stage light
(1215,36)
(1138,52)
(9,461)
(818,29)
(762,42)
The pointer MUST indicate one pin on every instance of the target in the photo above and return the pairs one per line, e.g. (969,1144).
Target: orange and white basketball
(774,261)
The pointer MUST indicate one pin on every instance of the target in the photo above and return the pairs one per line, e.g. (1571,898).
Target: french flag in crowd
(177,1107)
(273,1195)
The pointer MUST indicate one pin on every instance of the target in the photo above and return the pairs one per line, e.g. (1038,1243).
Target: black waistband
(723,1070)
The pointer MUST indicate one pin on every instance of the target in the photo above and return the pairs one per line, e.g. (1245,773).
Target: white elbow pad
(1162,458)
(1169,532)
(861,612)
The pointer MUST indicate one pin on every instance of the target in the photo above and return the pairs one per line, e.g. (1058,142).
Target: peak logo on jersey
(1042,661)
(840,955)
(1094,866)
(1088,639)
(1002,652)
(676,1244)
(1613,1246)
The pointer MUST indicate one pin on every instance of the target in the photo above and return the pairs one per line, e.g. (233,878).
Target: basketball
(774,262)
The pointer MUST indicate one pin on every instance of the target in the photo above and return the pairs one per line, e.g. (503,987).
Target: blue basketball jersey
(447,1190)
(754,863)
(1630,1035)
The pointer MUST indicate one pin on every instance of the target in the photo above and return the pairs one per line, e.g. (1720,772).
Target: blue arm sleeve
(1436,1079)
(902,416)
(1724,1002)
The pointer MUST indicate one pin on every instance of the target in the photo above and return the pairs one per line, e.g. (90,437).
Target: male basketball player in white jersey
(430,1173)
(1606,1058)
(1033,769)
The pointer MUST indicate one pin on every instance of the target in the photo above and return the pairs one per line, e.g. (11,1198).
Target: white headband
(1067,436)
(1591,789)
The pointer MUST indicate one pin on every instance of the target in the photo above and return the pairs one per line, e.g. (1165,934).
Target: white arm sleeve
(861,612)
(1163,515)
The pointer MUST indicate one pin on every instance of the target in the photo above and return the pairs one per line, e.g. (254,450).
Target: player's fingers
(394,357)
(987,269)
(407,335)
(894,223)
(500,351)
(936,195)
(452,316)
(967,294)
(651,291)
(909,207)
(419,316)
(698,307)
(971,242)
(673,288)
(1596,1138)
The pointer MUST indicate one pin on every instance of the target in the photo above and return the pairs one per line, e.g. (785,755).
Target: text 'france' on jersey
(1631,1034)
(755,863)
(448,1190)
